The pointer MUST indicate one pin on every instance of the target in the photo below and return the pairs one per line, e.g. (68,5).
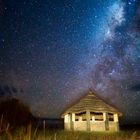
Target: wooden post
(88,120)
(105,116)
(115,117)
(67,122)
(71,124)
(73,120)
(73,117)
(116,121)
(66,119)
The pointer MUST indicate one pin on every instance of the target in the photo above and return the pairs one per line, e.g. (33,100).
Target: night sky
(53,51)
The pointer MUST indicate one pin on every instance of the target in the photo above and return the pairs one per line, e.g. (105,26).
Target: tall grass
(30,133)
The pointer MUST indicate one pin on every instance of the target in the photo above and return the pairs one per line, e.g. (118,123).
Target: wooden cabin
(91,114)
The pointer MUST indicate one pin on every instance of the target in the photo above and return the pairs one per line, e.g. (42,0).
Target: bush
(14,113)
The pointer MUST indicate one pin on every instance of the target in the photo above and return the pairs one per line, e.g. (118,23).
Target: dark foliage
(14,113)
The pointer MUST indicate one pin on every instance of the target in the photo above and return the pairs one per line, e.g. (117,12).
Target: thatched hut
(91,114)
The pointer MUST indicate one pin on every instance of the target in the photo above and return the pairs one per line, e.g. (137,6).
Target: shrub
(14,113)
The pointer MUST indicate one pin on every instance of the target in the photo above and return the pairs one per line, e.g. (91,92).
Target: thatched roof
(93,103)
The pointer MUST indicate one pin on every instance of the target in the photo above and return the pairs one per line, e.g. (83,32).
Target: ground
(48,134)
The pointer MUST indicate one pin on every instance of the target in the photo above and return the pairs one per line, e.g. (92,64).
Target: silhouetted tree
(15,113)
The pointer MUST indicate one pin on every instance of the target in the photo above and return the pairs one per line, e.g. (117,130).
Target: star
(55,51)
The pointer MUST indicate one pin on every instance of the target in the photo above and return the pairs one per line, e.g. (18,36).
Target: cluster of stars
(56,51)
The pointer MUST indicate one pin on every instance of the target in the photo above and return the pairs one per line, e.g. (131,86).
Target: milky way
(52,52)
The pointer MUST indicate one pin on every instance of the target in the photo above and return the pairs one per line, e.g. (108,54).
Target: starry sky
(52,52)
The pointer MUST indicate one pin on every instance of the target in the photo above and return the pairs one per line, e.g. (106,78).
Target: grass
(64,135)
(33,134)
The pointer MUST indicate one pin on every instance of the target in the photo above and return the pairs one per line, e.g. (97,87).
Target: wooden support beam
(116,121)
(67,122)
(88,120)
(71,123)
(116,117)
(73,117)
(66,119)
(105,117)
(73,120)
